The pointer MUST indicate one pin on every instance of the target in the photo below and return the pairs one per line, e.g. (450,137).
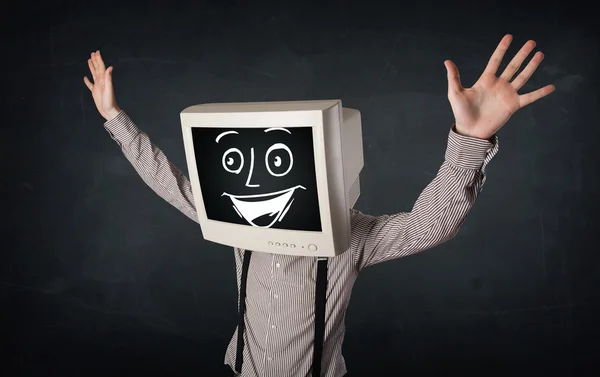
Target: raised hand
(480,111)
(102,88)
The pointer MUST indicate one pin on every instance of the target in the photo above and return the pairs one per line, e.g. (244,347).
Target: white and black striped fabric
(279,321)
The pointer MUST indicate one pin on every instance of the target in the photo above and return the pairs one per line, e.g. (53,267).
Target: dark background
(99,276)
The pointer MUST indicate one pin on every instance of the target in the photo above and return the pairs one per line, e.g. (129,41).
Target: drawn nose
(251,170)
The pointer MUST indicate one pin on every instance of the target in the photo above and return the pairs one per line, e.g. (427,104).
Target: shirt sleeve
(152,165)
(438,213)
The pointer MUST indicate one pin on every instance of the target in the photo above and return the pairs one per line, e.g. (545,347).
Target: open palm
(480,111)
(102,87)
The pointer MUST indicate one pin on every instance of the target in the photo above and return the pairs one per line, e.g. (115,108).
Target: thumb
(454,84)
(108,77)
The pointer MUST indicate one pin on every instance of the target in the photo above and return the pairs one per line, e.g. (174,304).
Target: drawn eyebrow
(225,133)
(278,129)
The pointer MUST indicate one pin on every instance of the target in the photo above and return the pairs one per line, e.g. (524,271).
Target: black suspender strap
(320,299)
(239,357)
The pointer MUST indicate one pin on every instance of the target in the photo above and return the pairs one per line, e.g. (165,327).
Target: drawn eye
(279,160)
(233,160)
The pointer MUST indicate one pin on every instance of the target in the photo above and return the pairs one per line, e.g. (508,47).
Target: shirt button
(273,326)
(278,265)
(276,295)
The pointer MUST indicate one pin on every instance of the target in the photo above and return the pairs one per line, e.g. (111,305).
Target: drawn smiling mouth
(263,208)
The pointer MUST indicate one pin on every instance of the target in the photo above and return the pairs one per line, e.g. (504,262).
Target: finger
(454,85)
(101,65)
(524,76)
(88,83)
(516,62)
(92,69)
(526,99)
(498,54)
(94,64)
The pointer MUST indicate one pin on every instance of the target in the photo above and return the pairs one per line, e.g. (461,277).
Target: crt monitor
(276,177)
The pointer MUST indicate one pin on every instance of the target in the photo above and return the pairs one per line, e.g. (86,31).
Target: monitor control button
(277,244)
(270,243)
(292,246)
(312,247)
(285,245)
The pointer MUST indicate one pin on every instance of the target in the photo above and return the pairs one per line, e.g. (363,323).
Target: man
(280,299)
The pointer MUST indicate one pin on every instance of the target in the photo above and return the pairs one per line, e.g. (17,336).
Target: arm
(479,112)
(150,162)
(437,214)
(152,165)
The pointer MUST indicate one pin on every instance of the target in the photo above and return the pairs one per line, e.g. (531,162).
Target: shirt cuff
(469,152)
(122,129)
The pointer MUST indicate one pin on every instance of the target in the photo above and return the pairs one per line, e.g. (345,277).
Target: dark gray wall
(100,276)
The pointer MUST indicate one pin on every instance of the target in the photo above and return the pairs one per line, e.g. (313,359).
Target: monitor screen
(261,177)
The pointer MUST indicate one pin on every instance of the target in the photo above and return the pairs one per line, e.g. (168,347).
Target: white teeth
(276,207)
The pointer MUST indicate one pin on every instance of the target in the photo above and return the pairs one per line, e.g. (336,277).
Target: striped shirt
(279,319)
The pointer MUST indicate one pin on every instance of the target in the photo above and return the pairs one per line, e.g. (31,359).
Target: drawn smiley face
(270,206)
(267,176)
